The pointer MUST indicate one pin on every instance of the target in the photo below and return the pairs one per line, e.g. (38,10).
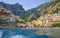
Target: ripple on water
(1,33)
(18,36)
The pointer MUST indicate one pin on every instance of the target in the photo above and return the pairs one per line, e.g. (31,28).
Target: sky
(27,4)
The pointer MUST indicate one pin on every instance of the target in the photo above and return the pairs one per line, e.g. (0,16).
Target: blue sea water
(20,33)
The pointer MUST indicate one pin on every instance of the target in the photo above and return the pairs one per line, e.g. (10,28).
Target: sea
(29,33)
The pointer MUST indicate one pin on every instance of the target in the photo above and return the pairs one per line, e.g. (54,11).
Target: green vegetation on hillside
(56,25)
(3,22)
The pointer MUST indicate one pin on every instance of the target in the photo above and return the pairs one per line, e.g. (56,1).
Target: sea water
(23,33)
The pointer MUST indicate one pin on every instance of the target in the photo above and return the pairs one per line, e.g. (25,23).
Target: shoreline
(27,28)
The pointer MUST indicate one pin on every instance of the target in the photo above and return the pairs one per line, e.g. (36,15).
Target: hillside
(44,15)
(48,7)
(17,9)
(36,11)
(7,18)
(50,15)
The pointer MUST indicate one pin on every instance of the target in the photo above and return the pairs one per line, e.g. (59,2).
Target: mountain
(45,8)
(41,16)
(17,9)
(36,11)
(52,7)
(7,18)
(31,14)
(49,14)
(28,15)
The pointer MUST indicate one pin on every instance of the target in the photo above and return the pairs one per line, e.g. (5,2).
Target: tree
(56,25)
